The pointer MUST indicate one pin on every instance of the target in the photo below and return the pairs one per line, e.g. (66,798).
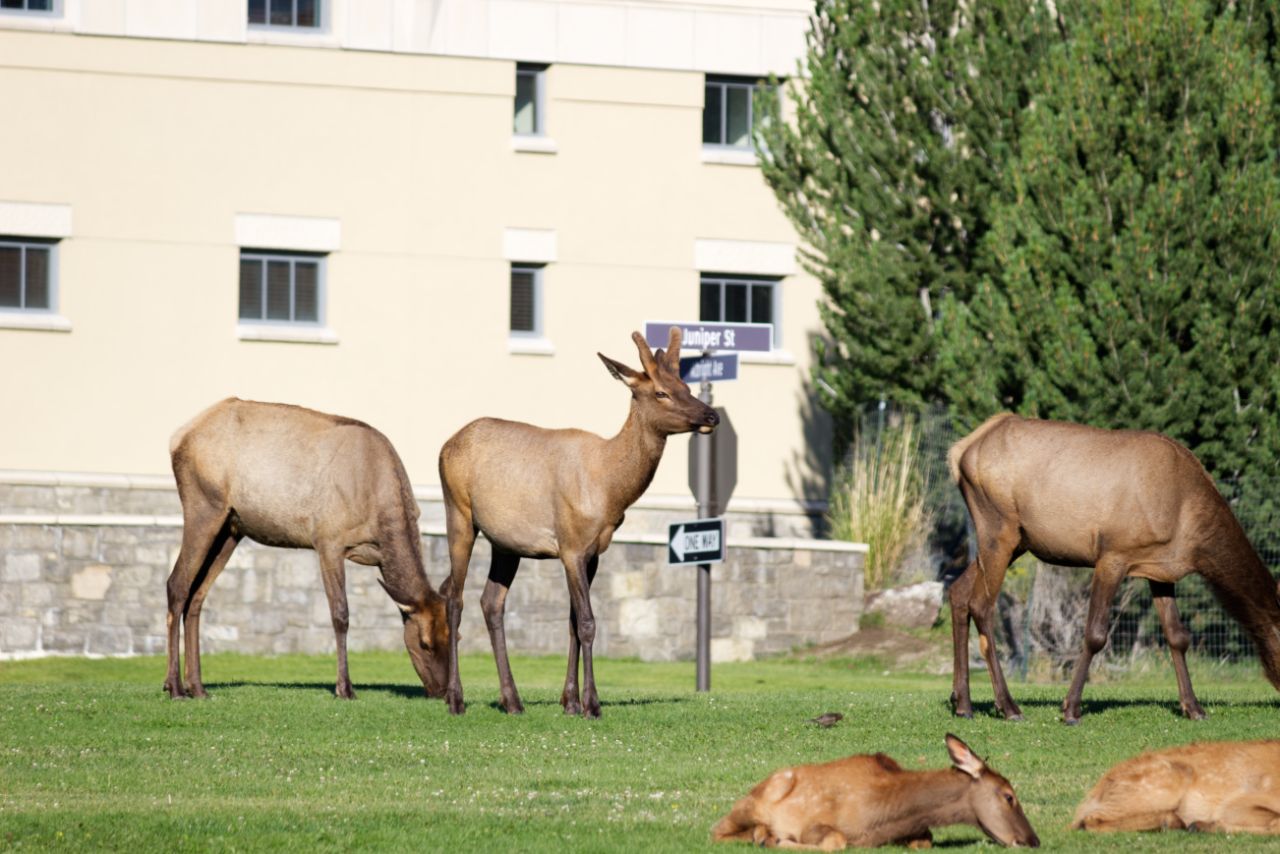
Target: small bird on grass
(830,719)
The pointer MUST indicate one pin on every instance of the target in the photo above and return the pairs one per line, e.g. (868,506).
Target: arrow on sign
(677,543)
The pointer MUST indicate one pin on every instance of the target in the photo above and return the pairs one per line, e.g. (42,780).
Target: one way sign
(699,541)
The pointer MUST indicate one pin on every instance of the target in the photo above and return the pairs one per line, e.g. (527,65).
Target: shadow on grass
(414,691)
(987,708)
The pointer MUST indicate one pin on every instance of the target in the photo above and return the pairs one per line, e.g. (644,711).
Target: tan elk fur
(1228,786)
(540,493)
(869,800)
(287,476)
(1128,504)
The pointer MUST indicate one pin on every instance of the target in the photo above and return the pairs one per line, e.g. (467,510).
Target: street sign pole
(703,495)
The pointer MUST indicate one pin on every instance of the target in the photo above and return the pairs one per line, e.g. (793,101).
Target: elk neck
(926,799)
(632,457)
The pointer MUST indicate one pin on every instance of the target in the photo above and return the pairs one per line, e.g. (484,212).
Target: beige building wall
(162,153)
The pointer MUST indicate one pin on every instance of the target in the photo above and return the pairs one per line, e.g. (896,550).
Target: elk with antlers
(1227,786)
(1124,502)
(541,493)
(870,800)
(293,477)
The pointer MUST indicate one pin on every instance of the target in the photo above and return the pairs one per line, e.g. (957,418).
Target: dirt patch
(894,647)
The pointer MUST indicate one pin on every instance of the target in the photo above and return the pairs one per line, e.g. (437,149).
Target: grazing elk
(868,800)
(1227,786)
(1124,502)
(541,493)
(287,476)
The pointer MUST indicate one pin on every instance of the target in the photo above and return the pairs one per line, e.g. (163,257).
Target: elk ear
(674,340)
(404,609)
(646,355)
(964,759)
(620,372)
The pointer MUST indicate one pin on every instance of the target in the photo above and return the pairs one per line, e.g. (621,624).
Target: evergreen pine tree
(906,118)
(1134,258)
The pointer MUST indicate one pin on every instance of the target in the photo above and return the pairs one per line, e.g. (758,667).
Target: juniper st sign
(713,337)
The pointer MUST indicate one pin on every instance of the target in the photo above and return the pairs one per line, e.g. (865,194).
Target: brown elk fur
(1228,786)
(870,800)
(287,476)
(1124,502)
(541,493)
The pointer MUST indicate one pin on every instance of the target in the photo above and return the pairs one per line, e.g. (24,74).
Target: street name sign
(699,541)
(709,369)
(738,337)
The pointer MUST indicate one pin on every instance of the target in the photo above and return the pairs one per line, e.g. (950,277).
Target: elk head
(664,400)
(426,637)
(992,799)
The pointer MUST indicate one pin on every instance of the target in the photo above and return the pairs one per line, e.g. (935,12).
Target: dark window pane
(735,303)
(526,102)
(37,277)
(282,12)
(278,297)
(711,130)
(41,5)
(11,4)
(709,306)
(738,117)
(306,291)
(250,289)
(762,303)
(308,13)
(522,301)
(257,11)
(10,277)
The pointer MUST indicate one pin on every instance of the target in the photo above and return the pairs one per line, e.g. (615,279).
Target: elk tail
(958,449)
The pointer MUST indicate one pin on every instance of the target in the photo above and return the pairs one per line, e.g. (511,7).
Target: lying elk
(287,476)
(867,801)
(1228,786)
(1126,503)
(541,493)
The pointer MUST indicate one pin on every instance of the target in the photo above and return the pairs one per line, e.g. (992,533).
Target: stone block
(750,628)
(92,582)
(80,543)
(19,634)
(638,618)
(38,594)
(20,567)
(913,606)
(109,640)
(732,649)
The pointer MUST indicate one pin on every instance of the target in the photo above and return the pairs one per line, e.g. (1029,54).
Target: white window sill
(729,156)
(530,346)
(287,333)
(39,321)
(534,144)
(19,19)
(291,36)
(773,357)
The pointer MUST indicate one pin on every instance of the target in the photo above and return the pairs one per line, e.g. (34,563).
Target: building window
(27,275)
(739,299)
(27,5)
(530,112)
(279,287)
(285,13)
(730,111)
(526,300)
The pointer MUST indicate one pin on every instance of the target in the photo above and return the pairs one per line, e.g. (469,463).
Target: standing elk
(541,493)
(1227,786)
(286,476)
(870,800)
(1124,502)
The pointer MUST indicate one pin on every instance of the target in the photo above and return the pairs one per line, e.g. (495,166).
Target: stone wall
(83,570)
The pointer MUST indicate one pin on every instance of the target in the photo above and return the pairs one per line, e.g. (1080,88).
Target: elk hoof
(198,692)
(1195,713)
(344,692)
(513,707)
(1015,716)
(591,711)
(572,707)
(456,706)
(1070,721)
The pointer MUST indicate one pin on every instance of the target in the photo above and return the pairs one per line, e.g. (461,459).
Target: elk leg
(224,544)
(960,592)
(1107,576)
(334,575)
(200,526)
(1248,813)
(462,536)
(502,571)
(580,572)
(1179,641)
(995,552)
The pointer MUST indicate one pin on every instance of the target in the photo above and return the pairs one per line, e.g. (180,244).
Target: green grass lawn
(94,756)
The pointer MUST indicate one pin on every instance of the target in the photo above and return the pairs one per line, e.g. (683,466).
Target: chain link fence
(1043,607)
